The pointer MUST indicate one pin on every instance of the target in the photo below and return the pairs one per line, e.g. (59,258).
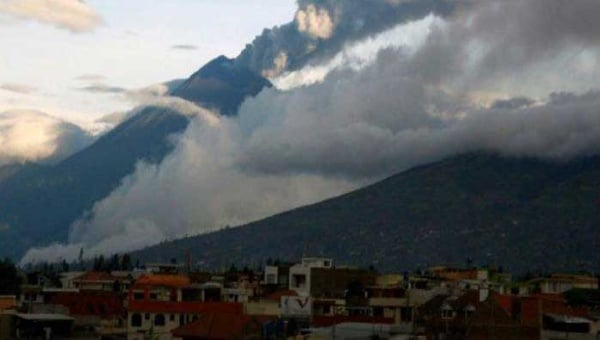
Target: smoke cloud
(523,83)
(34,136)
(321,28)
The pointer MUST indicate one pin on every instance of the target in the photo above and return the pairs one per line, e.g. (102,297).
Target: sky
(73,65)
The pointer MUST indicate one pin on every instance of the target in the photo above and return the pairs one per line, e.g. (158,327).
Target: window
(447,312)
(172,317)
(159,320)
(147,316)
(153,296)
(377,311)
(406,314)
(136,320)
(138,296)
(90,308)
(298,281)
(271,279)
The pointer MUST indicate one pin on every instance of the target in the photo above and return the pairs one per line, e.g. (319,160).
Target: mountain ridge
(39,203)
(221,85)
(492,209)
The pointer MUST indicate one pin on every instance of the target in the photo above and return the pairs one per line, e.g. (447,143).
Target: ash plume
(321,28)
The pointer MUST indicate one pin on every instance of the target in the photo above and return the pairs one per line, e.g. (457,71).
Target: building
(318,278)
(560,283)
(160,303)
(223,326)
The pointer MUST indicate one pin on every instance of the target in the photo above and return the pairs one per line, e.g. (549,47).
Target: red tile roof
(103,304)
(505,301)
(531,306)
(97,277)
(7,302)
(276,295)
(326,321)
(221,326)
(185,307)
(162,280)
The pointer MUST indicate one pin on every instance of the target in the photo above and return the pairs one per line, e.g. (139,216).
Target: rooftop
(162,280)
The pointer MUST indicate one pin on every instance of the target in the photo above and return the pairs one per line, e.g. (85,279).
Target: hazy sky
(53,49)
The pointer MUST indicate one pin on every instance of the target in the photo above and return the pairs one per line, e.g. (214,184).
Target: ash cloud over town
(513,77)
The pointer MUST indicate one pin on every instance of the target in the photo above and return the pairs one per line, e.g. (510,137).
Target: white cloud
(73,15)
(314,21)
(409,36)
(27,135)
(17,88)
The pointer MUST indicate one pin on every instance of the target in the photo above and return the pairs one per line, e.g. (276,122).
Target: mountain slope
(10,170)
(221,85)
(520,213)
(37,204)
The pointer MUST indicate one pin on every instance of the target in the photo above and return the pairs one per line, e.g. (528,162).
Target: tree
(114,263)
(80,259)
(126,262)
(65,266)
(9,279)
(99,263)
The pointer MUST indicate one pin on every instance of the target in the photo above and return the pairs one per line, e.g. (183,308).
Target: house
(559,283)
(37,299)
(459,274)
(42,326)
(448,316)
(542,316)
(101,281)
(277,275)
(8,305)
(269,304)
(159,303)
(7,302)
(223,326)
(300,274)
(318,278)
(102,312)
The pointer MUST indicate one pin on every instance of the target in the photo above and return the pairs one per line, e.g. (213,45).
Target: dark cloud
(184,47)
(321,28)
(102,88)
(498,41)
(91,77)
(512,103)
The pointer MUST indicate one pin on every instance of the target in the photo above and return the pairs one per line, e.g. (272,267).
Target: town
(313,298)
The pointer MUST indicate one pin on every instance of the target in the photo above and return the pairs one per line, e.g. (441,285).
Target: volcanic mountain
(39,203)
(519,213)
